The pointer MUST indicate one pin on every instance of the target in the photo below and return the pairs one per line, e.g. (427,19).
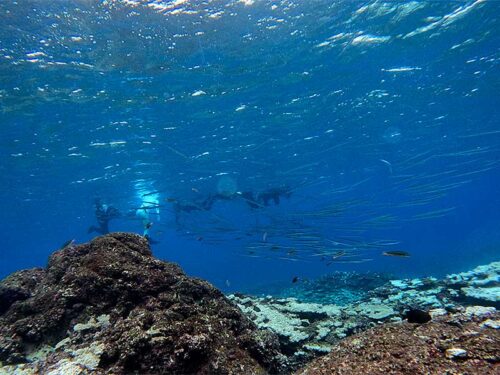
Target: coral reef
(339,288)
(460,343)
(307,330)
(110,307)
(481,285)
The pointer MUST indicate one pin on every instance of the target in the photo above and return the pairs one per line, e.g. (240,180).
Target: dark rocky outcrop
(110,307)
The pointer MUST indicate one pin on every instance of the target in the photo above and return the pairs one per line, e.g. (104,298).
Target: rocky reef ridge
(110,307)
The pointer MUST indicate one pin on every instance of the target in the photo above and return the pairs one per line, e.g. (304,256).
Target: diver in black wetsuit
(274,194)
(204,205)
(263,198)
(212,198)
(104,214)
(253,200)
(185,207)
(258,200)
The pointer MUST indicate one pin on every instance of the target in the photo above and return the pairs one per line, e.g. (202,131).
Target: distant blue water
(382,118)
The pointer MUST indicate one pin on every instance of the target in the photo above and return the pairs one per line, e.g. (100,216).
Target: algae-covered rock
(110,307)
(450,344)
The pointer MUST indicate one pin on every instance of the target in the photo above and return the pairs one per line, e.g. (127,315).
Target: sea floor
(308,329)
(109,306)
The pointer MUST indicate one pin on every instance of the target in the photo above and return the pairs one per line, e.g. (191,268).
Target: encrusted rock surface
(459,343)
(110,307)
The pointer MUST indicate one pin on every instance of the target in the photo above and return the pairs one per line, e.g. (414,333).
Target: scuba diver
(143,214)
(258,200)
(180,207)
(212,198)
(254,201)
(263,198)
(190,206)
(104,214)
(274,194)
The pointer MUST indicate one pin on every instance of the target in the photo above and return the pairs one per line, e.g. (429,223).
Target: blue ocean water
(378,123)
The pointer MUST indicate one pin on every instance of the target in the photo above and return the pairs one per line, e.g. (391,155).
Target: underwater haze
(254,142)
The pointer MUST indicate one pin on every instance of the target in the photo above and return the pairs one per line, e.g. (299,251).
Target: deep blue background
(324,111)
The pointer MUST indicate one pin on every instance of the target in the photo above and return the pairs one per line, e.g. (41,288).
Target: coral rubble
(110,307)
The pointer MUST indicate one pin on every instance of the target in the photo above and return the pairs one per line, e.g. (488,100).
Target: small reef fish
(295,279)
(396,253)
(417,316)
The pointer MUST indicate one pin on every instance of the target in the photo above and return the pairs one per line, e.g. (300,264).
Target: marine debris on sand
(110,307)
